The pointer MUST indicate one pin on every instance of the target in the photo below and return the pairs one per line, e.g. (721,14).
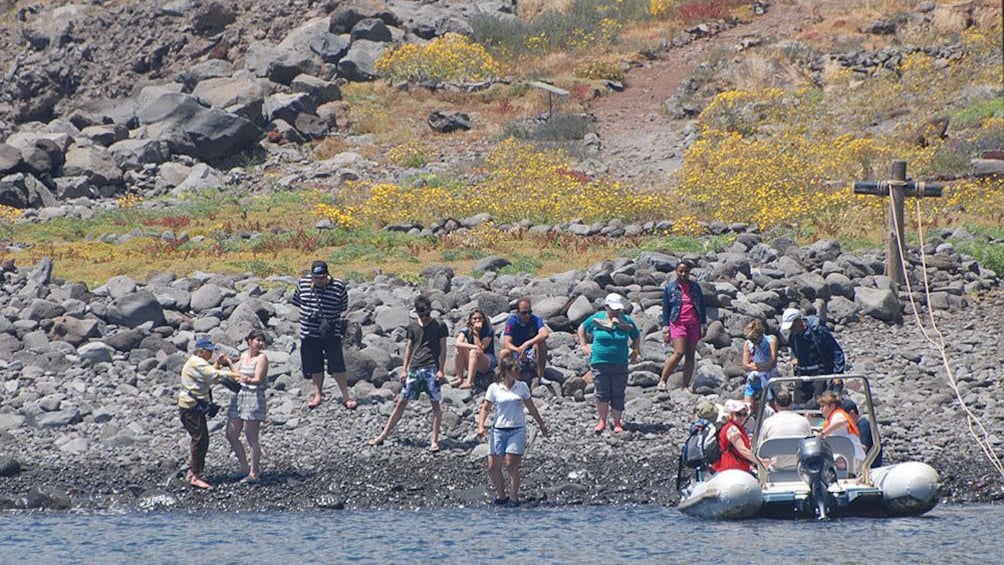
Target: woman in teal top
(616,341)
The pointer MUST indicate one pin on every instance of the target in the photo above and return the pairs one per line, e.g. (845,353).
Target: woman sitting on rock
(508,435)
(247,407)
(475,352)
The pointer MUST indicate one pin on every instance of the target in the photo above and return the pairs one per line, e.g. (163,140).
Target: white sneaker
(544,381)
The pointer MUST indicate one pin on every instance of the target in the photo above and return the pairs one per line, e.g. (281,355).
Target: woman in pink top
(685,321)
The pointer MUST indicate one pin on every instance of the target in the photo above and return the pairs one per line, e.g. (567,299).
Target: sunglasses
(525,312)
(422,312)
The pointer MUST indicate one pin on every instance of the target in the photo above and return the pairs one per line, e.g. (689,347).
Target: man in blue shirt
(525,337)
(814,351)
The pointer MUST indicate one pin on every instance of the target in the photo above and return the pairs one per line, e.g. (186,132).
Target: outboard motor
(817,468)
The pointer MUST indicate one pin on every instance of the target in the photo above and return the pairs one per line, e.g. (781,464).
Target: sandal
(661,387)
(434,448)
(455,383)
(618,428)
(350,403)
(315,401)
(501,501)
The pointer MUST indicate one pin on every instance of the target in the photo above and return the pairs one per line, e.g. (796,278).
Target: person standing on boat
(507,440)
(759,358)
(839,423)
(733,440)
(616,342)
(814,351)
(684,319)
(322,301)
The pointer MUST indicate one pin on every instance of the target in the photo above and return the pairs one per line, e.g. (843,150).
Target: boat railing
(850,381)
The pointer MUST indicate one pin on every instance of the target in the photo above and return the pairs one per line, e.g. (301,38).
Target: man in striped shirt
(322,300)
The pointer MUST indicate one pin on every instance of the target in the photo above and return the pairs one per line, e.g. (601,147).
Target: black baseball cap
(319,268)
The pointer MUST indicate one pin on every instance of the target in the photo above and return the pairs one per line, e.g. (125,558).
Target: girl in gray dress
(247,407)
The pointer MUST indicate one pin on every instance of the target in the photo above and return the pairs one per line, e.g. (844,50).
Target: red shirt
(731,459)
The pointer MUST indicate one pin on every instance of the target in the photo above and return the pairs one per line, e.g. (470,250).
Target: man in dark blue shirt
(525,337)
(814,351)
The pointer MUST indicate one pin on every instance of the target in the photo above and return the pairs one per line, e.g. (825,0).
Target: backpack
(701,448)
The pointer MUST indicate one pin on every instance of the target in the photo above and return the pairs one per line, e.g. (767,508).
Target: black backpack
(701,448)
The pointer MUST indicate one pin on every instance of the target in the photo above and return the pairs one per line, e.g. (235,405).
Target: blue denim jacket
(672,301)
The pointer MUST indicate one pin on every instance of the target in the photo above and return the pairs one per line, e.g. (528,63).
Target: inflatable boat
(827,481)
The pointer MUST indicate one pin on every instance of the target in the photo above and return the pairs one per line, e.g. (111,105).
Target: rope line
(976,428)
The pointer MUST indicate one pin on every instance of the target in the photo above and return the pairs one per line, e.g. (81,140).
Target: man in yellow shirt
(195,401)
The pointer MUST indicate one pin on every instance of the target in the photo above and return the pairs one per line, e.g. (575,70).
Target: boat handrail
(864,476)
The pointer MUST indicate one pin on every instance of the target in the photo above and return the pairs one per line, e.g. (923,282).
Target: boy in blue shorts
(424,358)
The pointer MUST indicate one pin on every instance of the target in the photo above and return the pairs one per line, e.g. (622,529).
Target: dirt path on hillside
(639,142)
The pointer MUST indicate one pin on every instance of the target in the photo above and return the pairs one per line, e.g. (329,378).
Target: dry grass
(528,9)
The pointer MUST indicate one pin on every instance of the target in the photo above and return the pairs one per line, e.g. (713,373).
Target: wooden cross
(899,188)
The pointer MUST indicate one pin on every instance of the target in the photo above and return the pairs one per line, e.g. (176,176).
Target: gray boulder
(280,63)
(95,163)
(39,309)
(347,13)
(135,309)
(371,29)
(213,68)
(105,135)
(201,177)
(288,106)
(119,286)
(206,297)
(880,304)
(25,191)
(190,128)
(95,352)
(359,63)
(10,159)
(133,154)
(320,91)
(74,331)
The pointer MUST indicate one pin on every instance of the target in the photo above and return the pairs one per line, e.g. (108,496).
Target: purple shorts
(689,332)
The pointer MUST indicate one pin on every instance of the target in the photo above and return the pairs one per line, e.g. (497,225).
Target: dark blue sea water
(948,534)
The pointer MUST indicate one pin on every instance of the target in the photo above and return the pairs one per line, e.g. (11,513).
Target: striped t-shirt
(331,301)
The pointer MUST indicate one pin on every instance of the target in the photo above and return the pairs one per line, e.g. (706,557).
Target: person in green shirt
(616,341)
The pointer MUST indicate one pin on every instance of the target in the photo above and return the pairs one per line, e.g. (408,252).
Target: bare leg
(437,421)
(318,396)
(459,363)
(234,427)
(512,463)
(688,366)
(472,367)
(395,417)
(343,383)
(541,358)
(495,474)
(679,349)
(251,431)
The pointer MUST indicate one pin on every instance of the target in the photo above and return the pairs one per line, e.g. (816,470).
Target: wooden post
(898,188)
(893,239)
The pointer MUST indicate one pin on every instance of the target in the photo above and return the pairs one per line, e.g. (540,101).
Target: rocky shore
(88,417)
